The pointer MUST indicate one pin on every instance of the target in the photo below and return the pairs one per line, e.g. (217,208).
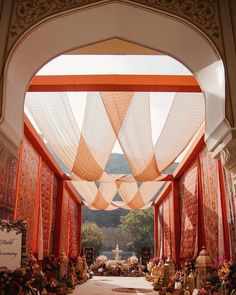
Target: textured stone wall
(8,173)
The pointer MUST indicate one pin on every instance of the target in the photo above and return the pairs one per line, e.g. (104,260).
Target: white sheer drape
(109,116)
(52,113)
(184,120)
(102,197)
(131,121)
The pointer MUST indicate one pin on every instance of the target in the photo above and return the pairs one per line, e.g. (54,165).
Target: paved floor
(112,285)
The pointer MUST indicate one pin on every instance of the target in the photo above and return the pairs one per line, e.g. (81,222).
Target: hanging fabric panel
(73,218)
(230,193)
(166,225)
(64,235)
(128,119)
(87,190)
(96,142)
(127,191)
(184,120)
(149,189)
(62,133)
(110,207)
(52,113)
(131,121)
(96,198)
(160,232)
(130,195)
(116,105)
(133,206)
(54,205)
(166,228)
(137,198)
(101,198)
(188,186)
(40,245)
(108,192)
(212,211)
(28,188)
(46,195)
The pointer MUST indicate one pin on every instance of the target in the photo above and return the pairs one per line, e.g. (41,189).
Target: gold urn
(63,259)
(169,269)
(203,266)
(191,282)
(160,268)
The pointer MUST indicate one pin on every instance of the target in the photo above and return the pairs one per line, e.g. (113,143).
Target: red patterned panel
(27,196)
(160,232)
(166,227)
(212,206)
(230,193)
(8,174)
(189,212)
(54,203)
(172,227)
(46,194)
(73,227)
(166,234)
(64,237)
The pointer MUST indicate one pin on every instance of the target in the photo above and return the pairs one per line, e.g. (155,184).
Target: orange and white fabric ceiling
(111,116)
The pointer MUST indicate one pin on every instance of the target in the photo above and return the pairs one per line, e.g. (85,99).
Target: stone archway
(128,21)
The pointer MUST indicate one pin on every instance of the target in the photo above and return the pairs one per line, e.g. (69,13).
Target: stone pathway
(114,286)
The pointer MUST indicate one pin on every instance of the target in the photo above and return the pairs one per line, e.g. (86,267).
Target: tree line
(137,224)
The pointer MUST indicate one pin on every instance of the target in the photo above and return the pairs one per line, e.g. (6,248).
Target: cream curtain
(131,121)
(184,120)
(98,198)
(52,113)
(109,116)
(102,197)
(96,142)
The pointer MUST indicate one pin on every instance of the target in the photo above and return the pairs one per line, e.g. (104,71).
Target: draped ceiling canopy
(111,116)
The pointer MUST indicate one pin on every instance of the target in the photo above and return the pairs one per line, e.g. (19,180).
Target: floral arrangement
(221,280)
(35,279)
(116,270)
(51,267)
(101,259)
(177,280)
(22,280)
(154,260)
(224,278)
(133,259)
(101,264)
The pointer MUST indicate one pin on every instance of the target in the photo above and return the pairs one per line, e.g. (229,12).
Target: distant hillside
(103,218)
(117,164)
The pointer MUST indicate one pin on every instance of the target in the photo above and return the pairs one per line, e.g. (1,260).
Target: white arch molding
(79,28)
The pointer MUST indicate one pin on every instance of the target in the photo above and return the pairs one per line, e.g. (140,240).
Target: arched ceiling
(114,46)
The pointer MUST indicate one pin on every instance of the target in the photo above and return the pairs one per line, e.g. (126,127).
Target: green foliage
(139,224)
(92,237)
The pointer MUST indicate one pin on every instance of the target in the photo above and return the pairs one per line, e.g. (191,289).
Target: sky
(160,102)
(114,64)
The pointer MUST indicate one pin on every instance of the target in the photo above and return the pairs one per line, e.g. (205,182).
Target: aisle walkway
(114,286)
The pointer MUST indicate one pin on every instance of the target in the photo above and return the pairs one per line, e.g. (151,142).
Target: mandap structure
(194,205)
